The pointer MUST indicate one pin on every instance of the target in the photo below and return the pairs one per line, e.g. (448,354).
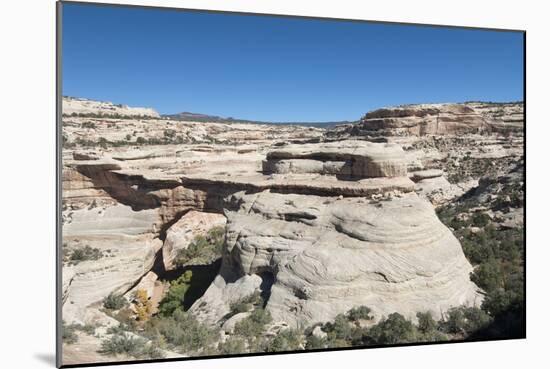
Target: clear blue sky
(279,69)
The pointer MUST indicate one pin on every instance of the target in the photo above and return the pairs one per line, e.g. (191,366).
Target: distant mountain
(198,117)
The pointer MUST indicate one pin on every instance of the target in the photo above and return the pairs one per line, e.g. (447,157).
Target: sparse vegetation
(142,305)
(254,324)
(124,343)
(203,249)
(176,294)
(68,334)
(182,331)
(247,304)
(88,124)
(85,253)
(114,302)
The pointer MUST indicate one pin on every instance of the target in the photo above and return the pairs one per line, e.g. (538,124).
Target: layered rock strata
(315,257)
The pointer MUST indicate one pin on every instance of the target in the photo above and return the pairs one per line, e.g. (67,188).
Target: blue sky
(279,69)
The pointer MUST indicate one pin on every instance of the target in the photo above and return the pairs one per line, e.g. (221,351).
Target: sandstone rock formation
(319,221)
(185,230)
(79,106)
(316,257)
(438,119)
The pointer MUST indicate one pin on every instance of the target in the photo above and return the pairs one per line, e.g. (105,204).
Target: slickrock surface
(77,106)
(326,255)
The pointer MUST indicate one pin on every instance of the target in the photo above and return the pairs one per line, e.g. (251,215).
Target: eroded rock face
(316,257)
(185,230)
(437,119)
(347,159)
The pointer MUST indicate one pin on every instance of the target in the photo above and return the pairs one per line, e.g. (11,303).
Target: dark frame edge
(58,185)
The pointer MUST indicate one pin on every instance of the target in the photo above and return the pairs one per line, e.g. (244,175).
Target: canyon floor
(185,238)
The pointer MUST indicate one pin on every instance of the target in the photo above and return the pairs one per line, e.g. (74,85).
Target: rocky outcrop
(436,119)
(351,159)
(78,106)
(316,257)
(185,230)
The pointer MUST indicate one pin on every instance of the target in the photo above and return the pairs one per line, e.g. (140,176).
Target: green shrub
(176,294)
(254,324)
(339,330)
(124,344)
(359,313)
(86,328)
(68,334)
(114,302)
(203,249)
(426,322)
(488,276)
(88,125)
(84,254)
(246,304)
(480,219)
(465,320)
(182,330)
(287,340)
(313,342)
(395,329)
(233,345)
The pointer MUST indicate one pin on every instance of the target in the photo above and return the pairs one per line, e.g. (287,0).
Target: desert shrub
(246,304)
(169,133)
(465,320)
(426,322)
(114,302)
(338,330)
(142,305)
(233,345)
(86,328)
(126,317)
(428,329)
(176,294)
(254,324)
(141,141)
(125,344)
(203,249)
(480,219)
(500,301)
(359,313)
(103,142)
(88,124)
(287,340)
(314,342)
(84,254)
(488,276)
(182,330)
(395,329)
(68,334)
